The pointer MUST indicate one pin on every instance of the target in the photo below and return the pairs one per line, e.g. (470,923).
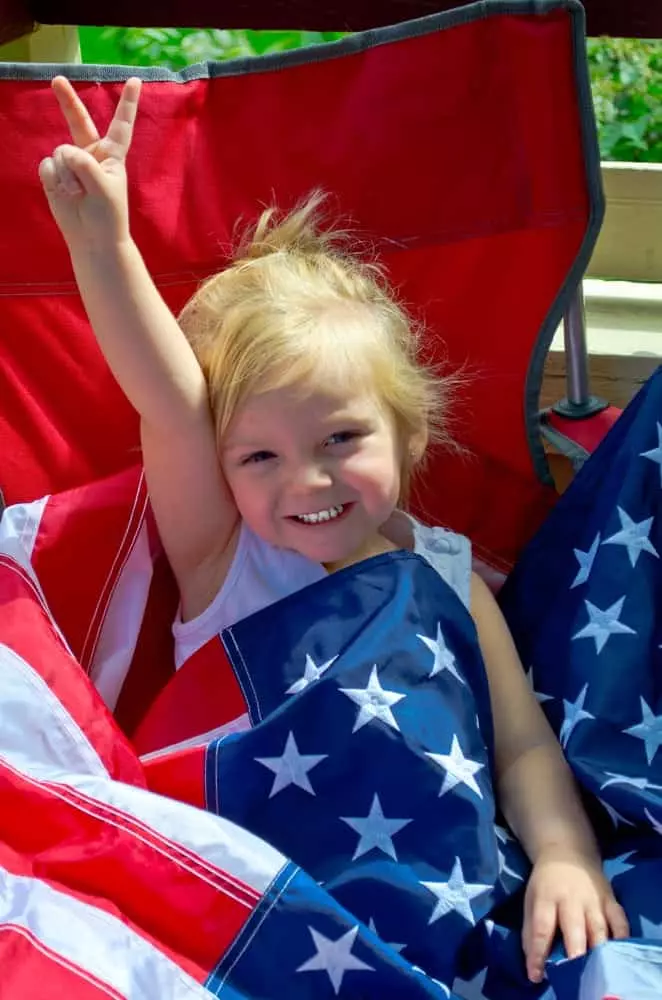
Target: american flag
(306,810)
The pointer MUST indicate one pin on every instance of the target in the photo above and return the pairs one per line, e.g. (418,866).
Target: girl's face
(317,474)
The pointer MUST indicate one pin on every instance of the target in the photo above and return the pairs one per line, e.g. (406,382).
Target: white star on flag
(634,536)
(334,957)
(585,560)
(573,714)
(504,837)
(471,989)
(614,867)
(492,928)
(374,702)
(602,624)
(291,768)
(430,979)
(455,896)
(649,730)
(503,867)
(657,826)
(311,674)
(650,930)
(539,697)
(502,834)
(395,947)
(459,769)
(655,454)
(375,830)
(624,779)
(614,816)
(443,658)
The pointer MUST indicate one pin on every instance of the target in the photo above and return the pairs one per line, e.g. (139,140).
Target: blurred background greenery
(626,74)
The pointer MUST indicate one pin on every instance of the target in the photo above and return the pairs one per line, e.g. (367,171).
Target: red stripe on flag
(136,516)
(153,663)
(197,865)
(184,906)
(84,539)
(179,774)
(32,971)
(203,695)
(27,628)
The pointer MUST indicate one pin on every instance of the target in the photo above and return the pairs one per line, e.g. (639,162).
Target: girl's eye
(342,437)
(256,457)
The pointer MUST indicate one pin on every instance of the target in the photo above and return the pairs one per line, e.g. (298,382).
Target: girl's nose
(310,476)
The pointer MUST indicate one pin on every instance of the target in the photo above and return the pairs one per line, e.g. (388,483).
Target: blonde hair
(296,308)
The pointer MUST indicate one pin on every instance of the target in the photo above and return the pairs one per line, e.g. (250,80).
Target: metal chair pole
(579,402)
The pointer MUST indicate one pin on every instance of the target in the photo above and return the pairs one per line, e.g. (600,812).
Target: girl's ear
(418,442)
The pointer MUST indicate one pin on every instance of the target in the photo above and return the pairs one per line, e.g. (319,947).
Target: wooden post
(51,43)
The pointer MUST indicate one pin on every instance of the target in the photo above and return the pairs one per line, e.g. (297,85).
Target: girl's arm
(151,359)
(158,372)
(539,799)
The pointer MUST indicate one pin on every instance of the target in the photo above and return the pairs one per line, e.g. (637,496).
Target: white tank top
(261,574)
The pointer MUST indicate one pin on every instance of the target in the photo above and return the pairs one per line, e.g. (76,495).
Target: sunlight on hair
(296,308)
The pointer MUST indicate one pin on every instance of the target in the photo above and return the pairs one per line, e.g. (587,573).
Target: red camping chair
(462,145)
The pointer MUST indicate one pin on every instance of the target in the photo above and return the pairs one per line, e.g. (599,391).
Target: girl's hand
(569,892)
(85,182)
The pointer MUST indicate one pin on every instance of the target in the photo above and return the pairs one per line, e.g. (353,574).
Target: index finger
(120,131)
(82,128)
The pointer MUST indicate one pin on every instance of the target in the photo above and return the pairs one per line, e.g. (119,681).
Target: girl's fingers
(572,924)
(71,171)
(48,175)
(537,935)
(617,920)
(83,130)
(65,170)
(117,140)
(86,170)
(597,930)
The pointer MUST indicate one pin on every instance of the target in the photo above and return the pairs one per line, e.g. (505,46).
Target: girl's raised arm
(86,186)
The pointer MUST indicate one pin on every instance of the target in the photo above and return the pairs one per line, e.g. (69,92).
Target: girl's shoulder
(446,551)
(260,574)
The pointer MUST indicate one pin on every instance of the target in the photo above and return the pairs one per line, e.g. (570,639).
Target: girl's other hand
(570,893)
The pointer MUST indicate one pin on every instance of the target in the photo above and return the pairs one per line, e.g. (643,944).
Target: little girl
(281,420)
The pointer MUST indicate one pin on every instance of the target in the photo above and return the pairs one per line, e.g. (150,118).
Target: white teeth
(321,515)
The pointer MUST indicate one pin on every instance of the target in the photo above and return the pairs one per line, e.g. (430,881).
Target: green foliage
(626,78)
(626,74)
(179,47)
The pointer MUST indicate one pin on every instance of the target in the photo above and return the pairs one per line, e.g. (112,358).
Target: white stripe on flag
(121,625)
(40,740)
(132,528)
(19,528)
(37,734)
(238,725)
(94,941)
(626,970)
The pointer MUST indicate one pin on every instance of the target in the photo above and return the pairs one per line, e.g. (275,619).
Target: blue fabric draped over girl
(369,758)
(590,629)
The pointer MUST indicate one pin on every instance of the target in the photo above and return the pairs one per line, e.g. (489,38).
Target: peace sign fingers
(120,131)
(84,132)
(85,181)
